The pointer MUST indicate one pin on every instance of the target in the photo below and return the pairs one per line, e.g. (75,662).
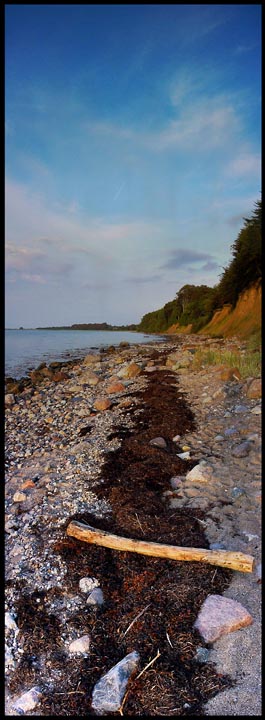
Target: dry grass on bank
(248,360)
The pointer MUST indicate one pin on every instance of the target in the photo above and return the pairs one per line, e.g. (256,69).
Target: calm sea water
(26,349)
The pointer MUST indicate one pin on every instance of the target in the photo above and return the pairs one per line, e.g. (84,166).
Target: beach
(80,438)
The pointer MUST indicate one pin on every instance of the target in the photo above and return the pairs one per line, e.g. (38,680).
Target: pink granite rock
(102,404)
(115,387)
(254,389)
(219,616)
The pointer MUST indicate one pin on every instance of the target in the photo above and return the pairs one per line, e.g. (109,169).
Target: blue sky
(133,137)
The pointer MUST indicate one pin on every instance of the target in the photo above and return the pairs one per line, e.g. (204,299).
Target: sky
(132,154)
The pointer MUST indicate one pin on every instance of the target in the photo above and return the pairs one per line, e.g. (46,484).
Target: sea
(26,349)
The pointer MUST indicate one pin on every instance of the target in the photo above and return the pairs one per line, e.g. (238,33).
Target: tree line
(196,304)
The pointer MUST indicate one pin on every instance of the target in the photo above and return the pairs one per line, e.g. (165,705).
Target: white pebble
(81,645)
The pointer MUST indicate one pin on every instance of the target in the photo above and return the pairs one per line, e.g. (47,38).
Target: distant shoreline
(86,326)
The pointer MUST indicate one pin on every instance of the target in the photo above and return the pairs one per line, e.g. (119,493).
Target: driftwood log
(227,559)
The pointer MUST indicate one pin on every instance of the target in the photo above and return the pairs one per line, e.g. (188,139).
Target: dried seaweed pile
(150,604)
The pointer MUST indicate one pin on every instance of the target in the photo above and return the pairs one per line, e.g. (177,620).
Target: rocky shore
(60,424)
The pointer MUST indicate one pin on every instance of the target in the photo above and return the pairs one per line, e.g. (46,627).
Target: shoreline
(77,355)
(48,438)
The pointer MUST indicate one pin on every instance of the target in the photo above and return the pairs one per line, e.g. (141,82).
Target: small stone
(91,359)
(95,597)
(27,701)
(219,616)
(115,388)
(176,481)
(102,404)
(9,399)
(200,473)
(176,438)
(19,497)
(237,492)
(219,438)
(230,431)
(88,378)
(230,374)
(254,389)
(240,409)
(81,645)
(158,442)
(242,450)
(59,376)
(10,623)
(109,691)
(88,584)
(27,484)
(202,655)
(256,410)
(129,371)
(184,455)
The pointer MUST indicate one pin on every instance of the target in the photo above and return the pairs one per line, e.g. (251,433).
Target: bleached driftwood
(227,559)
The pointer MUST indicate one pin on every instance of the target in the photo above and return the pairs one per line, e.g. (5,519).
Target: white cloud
(202,122)
(188,82)
(245,164)
(200,126)
(52,243)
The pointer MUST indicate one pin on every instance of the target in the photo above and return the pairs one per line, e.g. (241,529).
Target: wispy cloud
(204,126)
(203,21)
(241,49)
(245,164)
(186,84)
(49,242)
(202,123)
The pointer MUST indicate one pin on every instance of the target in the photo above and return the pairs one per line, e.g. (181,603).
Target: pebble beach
(59,428)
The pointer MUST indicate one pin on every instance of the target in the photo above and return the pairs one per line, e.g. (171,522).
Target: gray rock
(230,431)
(109,691)
(237,492)
(27,701)
(158,442)
(242,450)
(241,409)
(95,597)
(176,482)
(202,654)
